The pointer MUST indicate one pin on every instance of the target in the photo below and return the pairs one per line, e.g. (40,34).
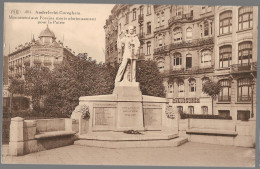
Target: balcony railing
(181,18)
(37,61)
(140,18)
(193,70)
(192,43)
(245,98)
(161,49)
(224,98)
(141,35)
(47,62)
(245,67)
(141,56)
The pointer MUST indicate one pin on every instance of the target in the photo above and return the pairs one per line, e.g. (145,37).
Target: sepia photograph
(129,84)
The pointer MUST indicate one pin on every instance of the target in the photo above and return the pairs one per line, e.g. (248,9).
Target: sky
(82,36)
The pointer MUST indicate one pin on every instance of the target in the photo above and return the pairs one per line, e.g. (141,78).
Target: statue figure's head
(131,29)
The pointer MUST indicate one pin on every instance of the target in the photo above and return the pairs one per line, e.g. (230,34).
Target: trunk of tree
(212,106)
(11,102)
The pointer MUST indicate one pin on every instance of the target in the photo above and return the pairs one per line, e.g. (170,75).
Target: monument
(111,116)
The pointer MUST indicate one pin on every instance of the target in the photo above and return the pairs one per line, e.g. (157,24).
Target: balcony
(161,49)
(245,67)
(47,63)
(192,43)
(193,70)
(141,35)
(140,18)
(37,62)
(182,18)
(224,99)
(141,56)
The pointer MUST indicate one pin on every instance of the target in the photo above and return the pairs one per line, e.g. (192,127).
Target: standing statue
(131,44)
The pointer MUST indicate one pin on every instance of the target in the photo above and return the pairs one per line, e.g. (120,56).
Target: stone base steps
(132,143)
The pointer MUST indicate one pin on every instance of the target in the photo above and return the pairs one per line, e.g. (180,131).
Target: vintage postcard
(129,84)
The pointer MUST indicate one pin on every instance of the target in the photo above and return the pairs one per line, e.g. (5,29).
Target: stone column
(16,144)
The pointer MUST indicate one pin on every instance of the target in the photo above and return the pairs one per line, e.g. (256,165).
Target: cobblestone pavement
(189,154)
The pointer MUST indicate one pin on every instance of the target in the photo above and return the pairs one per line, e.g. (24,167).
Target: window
(149,11)
(160,40)
(179,11)
(134,14)
(158,20)
(189,33)
(149,28)
(192,85)
(245,17)
(245,52)
(180,84)
(126,18)
(206,28)
(141,49)
(170,88)
(225,22)
(225,92)
(180,109)
(177,59)
(243,115)
(204,109)
(203,9)
(190,109)
(206,57)
(225,56)
(161,65)
(177,35)
(204,80)
(224,113)
(162,18)
(244,89)
(141,10)
(148,48)
(188,61)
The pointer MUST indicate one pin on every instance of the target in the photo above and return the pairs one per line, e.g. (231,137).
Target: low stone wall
(215,131)
(27,136)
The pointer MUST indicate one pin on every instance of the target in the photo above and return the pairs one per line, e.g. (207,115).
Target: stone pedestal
(129,107)
(16,144)
(125,109)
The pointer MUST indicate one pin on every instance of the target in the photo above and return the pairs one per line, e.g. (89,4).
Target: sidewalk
(189,154)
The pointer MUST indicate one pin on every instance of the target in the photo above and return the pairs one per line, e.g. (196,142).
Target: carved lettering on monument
(104,116)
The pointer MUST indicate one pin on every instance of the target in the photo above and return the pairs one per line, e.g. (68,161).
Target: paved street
(189,154)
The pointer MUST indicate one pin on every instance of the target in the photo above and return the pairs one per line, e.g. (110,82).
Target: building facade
(193,44)
(236,60)
(45,51)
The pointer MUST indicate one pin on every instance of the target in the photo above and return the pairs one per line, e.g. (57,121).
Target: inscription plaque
(104,116)
(130,116)
(153,119)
